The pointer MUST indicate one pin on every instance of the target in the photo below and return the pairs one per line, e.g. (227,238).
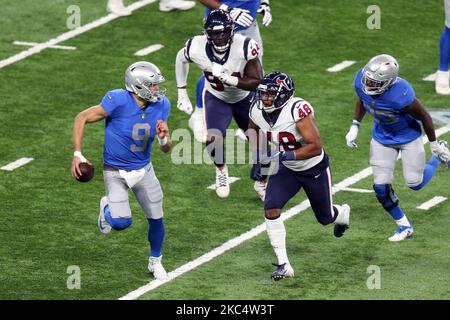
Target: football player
(243,12)
(288,122)
(232,70)
(397,115)
(133,118)
(442,76)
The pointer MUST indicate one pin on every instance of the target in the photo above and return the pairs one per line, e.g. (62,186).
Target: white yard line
(230,181)
(31,44)
(431,203)
(357,190)
(252,233)
(148,50)
(431,77)
(16,164)
(341,66)
(69,35)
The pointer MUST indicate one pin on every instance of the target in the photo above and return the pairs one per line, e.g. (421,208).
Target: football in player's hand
(87,172)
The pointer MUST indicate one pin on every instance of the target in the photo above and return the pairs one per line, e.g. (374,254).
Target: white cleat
(222,186)
(155,266)
(197,124)
(116,7)
(241,134)
(102,223)
(169,5)
(442,82)
(260,188)
(401,233)
(342,222)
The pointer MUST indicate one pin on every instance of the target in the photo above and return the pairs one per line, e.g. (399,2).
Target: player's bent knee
(120,223)
(415,183)
(386,196)
(272,213)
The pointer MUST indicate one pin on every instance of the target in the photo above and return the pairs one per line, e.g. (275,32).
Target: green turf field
(48,220)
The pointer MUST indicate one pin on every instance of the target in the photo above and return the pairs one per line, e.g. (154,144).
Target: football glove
(241,16)
(264,9)
(440,150)
(220,73)
(352,134)
(183,103)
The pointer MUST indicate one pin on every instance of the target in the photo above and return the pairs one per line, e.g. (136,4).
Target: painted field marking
(357,190)
(31,44)
(70,34)
(431,77)
(432,202)
(230,244)
(230,181)
(16,164)
(148,50)
(341,66)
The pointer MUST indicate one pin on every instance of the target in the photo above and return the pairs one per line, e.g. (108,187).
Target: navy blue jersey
(129,130)
(391,124)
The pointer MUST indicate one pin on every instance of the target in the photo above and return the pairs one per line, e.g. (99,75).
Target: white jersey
(242,50)
(284,133)
(447,13)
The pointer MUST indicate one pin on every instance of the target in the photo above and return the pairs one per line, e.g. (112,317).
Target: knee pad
(120,223)
(386,196)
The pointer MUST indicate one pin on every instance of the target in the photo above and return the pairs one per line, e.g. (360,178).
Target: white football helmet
(140,78)
(379,74)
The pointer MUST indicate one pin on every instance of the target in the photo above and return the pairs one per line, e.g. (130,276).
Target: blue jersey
(391,124)
(250,5)
(129,130)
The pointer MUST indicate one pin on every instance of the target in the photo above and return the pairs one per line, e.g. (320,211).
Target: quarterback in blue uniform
(398,116)
(133,117)
(243,12)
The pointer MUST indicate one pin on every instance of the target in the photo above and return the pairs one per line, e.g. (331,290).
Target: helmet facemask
(220,38)
(373,87)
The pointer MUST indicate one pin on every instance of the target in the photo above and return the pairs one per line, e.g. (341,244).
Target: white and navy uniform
(313,174)
(223,102)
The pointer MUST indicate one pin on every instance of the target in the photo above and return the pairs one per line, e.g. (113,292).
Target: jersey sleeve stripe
(293,107)
(246,42)
(188,48)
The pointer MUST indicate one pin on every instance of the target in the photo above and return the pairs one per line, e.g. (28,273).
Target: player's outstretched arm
(312,146)
(354,128)
(418,111)
(252,75)
(92,114)
(181,74)
(162,131)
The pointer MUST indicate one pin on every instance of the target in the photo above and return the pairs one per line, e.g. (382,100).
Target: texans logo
(283,83)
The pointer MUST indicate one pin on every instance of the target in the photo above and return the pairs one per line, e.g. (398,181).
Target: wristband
(224,7)
(79,155)
(356,123)
(163,141)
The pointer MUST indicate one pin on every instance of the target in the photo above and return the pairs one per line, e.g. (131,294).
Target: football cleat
(156,268)
(260,188)
(197,124)
(169,5)
(444,146)
(222,186)
(283,271)
(401,233)
(442,83)
(102,223)
(116,7)
(342,222)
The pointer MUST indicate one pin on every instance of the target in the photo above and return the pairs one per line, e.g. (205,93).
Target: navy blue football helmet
(219,30)
(278,85)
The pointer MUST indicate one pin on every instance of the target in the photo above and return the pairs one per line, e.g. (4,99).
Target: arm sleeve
(166,109)
(181,68)
(109,102)
(251,49)
(301,109)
